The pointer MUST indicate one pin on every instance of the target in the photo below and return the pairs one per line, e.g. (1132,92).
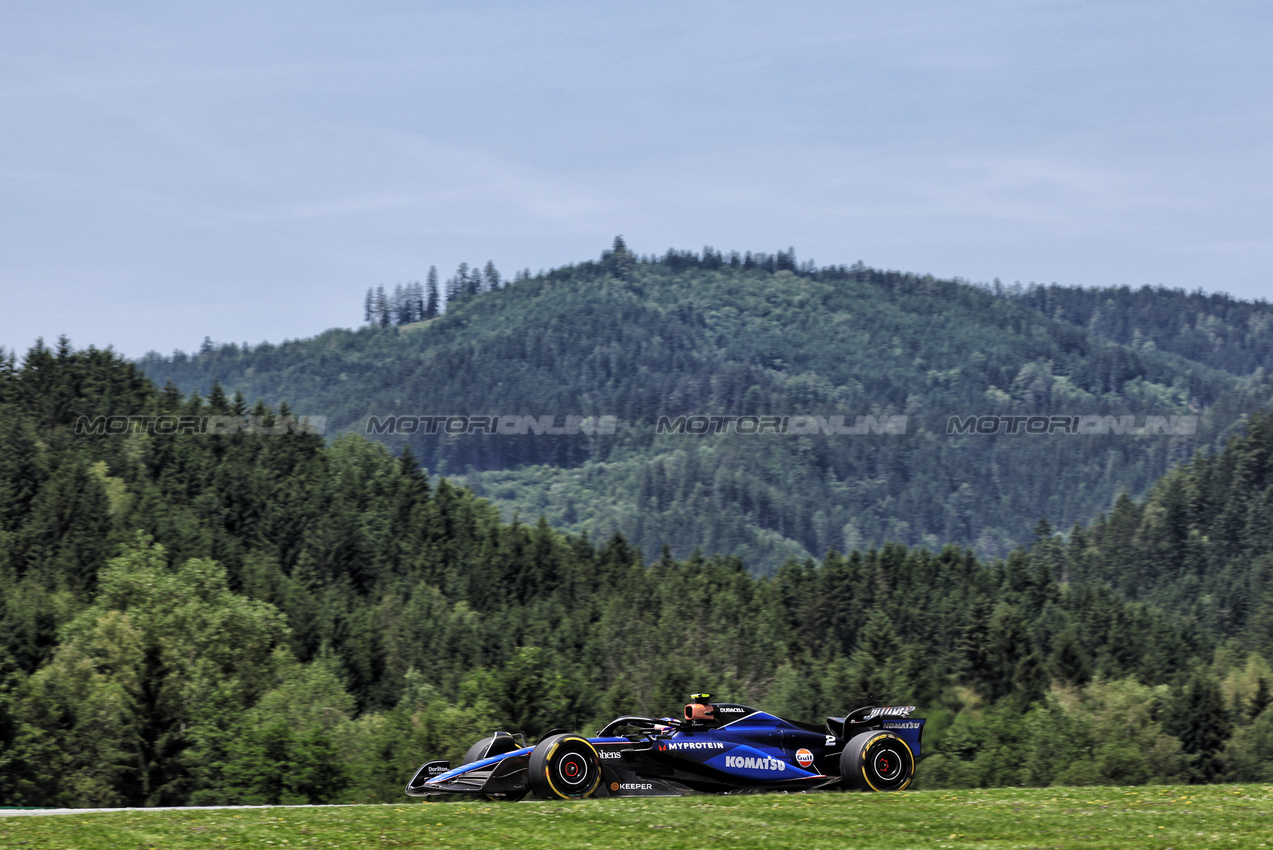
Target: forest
(258,617)
(708,333)
(1212,328)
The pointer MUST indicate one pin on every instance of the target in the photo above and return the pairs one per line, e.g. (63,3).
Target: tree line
(1212,328)
(413,302)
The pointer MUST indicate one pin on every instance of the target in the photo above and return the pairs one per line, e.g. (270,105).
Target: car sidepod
(755,751)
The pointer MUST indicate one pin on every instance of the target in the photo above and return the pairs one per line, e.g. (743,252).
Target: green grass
(1142,817)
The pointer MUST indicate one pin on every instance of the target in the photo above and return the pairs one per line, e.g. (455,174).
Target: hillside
(264,617)
(687,334)
(1211,328)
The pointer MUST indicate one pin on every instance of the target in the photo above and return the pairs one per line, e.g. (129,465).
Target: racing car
(714,748)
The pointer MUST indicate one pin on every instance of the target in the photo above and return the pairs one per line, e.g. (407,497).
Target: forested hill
(715,335)
(1212,328)
(263,617)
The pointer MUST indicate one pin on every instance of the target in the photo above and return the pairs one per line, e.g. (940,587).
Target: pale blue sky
(171,170)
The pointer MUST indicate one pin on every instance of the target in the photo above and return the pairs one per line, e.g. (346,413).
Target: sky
(245,171)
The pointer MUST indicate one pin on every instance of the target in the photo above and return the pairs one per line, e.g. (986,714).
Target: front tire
(564,767)
(877,761)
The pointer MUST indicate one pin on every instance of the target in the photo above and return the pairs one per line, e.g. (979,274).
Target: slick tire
(877,761)
(564,767)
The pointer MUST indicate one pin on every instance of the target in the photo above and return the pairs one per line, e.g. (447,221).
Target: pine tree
(1261,699)
(432,305)
(456,285)
(872,677)
(417,301)
(491,274)
(1070,662)
(401,305)
(619,260)
(217,402)
(383,312)
(1203,725)
(367,307)
(976,652)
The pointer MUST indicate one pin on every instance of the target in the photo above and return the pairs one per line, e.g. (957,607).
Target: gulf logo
(804,758)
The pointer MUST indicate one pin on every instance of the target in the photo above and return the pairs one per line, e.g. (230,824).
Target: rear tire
(564,767)
(877,761)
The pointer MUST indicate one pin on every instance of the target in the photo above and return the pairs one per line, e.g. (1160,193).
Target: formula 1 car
(715,748)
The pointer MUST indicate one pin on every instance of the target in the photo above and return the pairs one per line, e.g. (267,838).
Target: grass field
(1141,817)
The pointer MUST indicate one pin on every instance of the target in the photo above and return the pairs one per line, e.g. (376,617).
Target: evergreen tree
(417,301)
(401,305)
(1260,699)
(432,306)
(491,275)
(384,310)
(1200,720)
(1070,662)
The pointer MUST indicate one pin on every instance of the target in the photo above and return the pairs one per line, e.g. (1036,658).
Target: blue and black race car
(714,748)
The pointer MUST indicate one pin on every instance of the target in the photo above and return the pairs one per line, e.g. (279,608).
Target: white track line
(20,812)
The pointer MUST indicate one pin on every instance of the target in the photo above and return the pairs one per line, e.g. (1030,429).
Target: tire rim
(887,765)
(573,770)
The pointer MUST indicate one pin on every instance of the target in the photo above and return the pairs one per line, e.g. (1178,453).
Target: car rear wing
(867,717)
